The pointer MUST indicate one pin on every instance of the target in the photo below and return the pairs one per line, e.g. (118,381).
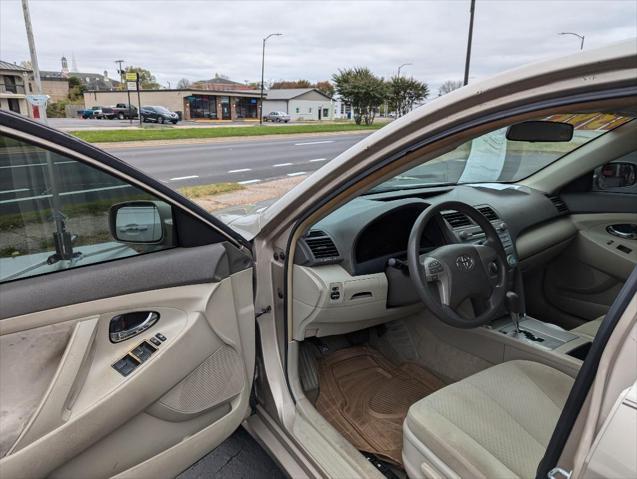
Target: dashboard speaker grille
(456,219)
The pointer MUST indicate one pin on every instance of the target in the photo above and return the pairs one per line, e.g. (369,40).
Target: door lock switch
(143,351)
(155,341)
(161,337)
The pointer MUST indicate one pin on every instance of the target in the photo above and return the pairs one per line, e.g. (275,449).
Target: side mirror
(615,175)
(537,130)
(137,222)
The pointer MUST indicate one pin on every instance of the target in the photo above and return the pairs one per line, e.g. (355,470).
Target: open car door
(126,316)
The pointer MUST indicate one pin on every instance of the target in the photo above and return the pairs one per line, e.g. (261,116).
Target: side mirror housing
(540,131)
(615,175)
(141,222)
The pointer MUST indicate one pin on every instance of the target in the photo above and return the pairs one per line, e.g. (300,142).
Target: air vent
(488,212)
(315,233)
(456,219)
(559,203)
(322,247)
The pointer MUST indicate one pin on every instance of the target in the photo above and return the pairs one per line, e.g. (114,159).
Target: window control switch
(155,341)
(143,351)
(126,365)
(161,337)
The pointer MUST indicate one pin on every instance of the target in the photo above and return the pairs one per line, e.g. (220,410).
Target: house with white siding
(301,104)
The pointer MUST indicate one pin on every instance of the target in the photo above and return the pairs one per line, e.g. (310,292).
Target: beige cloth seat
(589,328)
(494,424)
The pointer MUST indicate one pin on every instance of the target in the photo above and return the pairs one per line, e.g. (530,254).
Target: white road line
(14,191)
(240,170)
(247,182)
(184,178)
(318,159)
(297,173)
(313,143)
(281,164)
(66,193)
(29,165)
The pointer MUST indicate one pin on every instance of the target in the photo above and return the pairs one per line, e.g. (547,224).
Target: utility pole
(62,239)
(468,59)
(125,83)
(34,55)
(263,72)
(581,37)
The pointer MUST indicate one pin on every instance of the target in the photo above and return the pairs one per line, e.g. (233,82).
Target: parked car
(454,296)
(124,111)
(94,112)
(107,113)
(277,117)
(158,114)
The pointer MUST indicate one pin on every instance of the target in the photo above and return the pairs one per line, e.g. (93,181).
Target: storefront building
(190,104)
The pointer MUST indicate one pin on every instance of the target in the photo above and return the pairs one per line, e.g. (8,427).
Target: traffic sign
(131,76)
(38,100)
(131,85)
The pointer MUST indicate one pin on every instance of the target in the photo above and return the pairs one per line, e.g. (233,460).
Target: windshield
(491,158)
(161,109)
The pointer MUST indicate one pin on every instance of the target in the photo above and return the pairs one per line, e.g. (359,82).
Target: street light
(467,62)
(399,107)
(263,72)
(125,83)
(400,67)
(581,37)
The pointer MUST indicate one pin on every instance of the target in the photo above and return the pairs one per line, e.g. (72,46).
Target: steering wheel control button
(161,337)
(511,260)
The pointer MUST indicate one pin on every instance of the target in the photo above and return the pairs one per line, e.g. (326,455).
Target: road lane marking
(318,159)
(184,178)
(14,191)
(29,165)
(297,173)
(240,170)
(65,193)
(282,164)
(247,182)
(313,143)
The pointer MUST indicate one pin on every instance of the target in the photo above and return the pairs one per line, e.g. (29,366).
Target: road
(243,161)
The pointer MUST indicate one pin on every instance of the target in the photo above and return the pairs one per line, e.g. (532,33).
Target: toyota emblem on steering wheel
(465,263)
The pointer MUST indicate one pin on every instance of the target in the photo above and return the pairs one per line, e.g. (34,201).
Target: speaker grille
(219,378)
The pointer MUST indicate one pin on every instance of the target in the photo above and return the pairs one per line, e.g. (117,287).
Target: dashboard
(349,270)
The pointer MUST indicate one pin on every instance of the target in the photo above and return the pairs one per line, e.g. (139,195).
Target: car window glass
(52,205)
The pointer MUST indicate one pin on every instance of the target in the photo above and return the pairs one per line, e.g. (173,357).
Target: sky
(196,39)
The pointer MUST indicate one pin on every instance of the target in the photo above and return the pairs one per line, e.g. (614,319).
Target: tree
(26,64)
(147,80)
(363,90)
(449,86)
(325,87)
(76,89)
(404,93)
(183,84)
(282,84)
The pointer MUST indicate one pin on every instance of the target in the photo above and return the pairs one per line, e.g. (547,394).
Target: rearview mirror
(615,175)
(537,130)
(137,222)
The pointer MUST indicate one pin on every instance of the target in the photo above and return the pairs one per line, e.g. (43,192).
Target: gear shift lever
(514,305)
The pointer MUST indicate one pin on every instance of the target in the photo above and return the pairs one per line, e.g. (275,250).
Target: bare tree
(449,86)
(183,84)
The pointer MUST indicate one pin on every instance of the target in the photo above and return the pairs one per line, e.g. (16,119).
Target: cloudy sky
(196,39)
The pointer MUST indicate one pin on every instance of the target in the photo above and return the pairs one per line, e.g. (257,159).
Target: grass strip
(209,190)
(113,135)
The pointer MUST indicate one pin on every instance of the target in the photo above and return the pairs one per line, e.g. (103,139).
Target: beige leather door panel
(67,412)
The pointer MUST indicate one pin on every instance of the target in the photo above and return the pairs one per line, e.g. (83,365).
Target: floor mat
(366,398)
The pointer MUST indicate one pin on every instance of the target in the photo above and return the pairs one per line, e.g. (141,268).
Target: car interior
(442,315)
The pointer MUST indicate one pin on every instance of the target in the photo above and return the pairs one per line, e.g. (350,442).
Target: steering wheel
(460,271)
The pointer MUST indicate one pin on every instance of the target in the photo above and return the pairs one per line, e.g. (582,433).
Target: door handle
(127,325)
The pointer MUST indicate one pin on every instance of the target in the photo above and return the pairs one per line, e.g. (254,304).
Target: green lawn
(103,136)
